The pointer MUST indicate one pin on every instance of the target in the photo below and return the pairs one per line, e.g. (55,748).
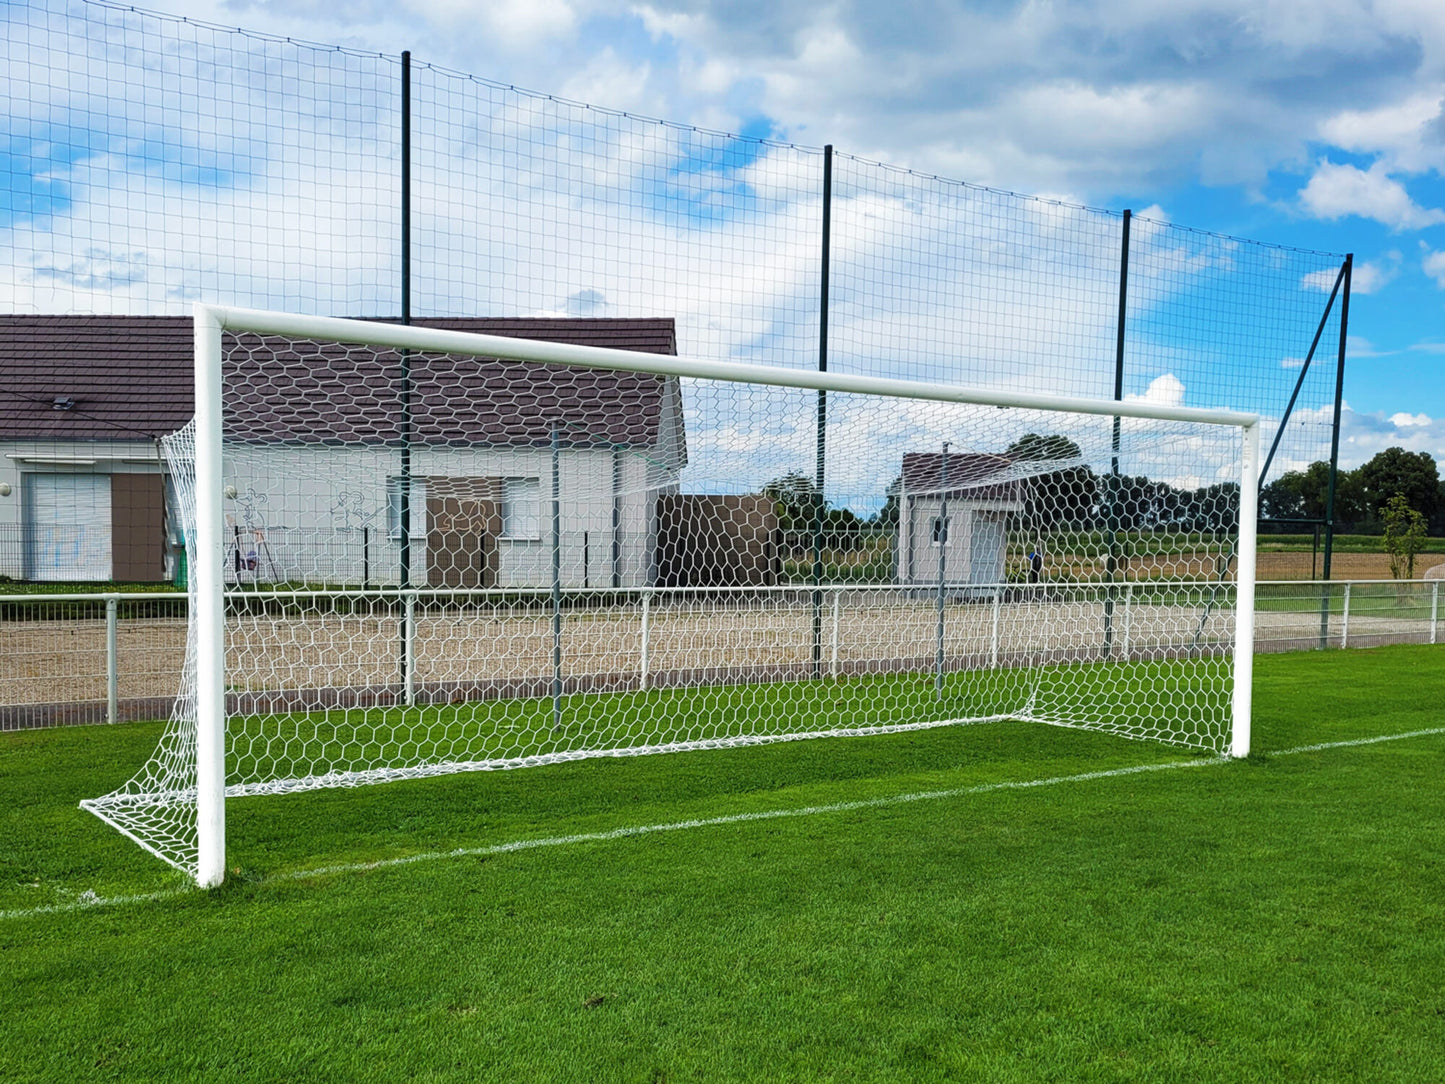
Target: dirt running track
(54,672)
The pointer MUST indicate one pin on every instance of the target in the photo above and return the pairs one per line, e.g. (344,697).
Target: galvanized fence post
(1345,620)
(646,638)
(408,692)
(993,627)
(112,661)
(1128,619)
(833,642)
(1434,610)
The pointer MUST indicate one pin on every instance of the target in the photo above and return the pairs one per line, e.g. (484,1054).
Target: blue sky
(1308,123)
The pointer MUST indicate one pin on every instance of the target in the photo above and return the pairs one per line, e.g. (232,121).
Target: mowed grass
(1280,918)
(1188,699)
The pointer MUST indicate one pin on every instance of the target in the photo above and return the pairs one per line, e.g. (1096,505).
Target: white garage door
(67,519)
(986,548)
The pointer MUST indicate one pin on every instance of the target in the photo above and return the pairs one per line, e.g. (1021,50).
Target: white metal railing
(89,657)
(112,656)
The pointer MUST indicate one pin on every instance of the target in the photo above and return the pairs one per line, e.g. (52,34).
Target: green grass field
(975,902)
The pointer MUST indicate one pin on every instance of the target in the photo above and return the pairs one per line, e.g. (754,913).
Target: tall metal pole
(1339,400)
(407,637)
(820,457)
(1335,449)
(556,577)
(943,533)
(1111,523)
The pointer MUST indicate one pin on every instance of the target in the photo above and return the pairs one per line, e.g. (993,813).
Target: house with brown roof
(954,511)
(330,449)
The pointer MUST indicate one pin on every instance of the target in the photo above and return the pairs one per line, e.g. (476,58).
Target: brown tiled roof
(130,377)
(977,475)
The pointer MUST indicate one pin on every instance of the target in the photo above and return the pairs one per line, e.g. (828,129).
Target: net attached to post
(441,564)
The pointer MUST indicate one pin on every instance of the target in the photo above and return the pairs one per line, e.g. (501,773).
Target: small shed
(954,512)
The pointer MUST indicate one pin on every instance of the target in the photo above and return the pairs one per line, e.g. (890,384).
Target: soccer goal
(424,550)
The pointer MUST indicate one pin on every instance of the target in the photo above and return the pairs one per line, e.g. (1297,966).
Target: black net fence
(150,162)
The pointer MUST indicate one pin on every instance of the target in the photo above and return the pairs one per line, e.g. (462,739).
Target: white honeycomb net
(440,564)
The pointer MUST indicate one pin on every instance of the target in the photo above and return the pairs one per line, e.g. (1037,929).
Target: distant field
(981,902)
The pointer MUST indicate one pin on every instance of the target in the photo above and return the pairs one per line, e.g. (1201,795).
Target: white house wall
(322,512)
(21,459)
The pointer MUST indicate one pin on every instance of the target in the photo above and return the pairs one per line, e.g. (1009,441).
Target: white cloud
(1165,390)
(1339,190)
(1401,131)
(1434,265)
(1364,435)
(1366,277)
(1360,347)
(1084,97)
(1402,420)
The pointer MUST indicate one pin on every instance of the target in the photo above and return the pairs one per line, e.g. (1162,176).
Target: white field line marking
(1358,741)
(736,818)
(89,900)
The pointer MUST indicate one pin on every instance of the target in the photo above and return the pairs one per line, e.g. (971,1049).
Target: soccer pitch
(1002,901)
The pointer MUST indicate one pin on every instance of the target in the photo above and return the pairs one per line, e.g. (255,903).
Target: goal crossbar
(217,319)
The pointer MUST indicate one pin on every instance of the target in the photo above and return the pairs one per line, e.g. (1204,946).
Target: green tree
(888,515)
(1404,536)
(1304,494)
(1396,472)
(1059,498)
(799,502)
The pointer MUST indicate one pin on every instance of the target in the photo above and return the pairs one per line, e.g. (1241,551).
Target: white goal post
(1070,588)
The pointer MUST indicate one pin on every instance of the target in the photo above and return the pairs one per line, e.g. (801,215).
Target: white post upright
(1345,619)
(1434,609)
(1244,592)
(209,589)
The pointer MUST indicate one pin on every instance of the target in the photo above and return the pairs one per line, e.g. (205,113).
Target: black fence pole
(556,577)
(1111,515)
(1335,450)
(405,389)
(820,458)
(942,534)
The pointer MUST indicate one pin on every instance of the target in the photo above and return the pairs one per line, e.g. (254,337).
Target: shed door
(67,527)
(986,550)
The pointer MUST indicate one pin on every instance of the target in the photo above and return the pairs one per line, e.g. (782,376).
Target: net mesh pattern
(439,564)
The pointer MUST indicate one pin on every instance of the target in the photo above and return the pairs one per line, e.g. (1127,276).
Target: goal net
(417,551)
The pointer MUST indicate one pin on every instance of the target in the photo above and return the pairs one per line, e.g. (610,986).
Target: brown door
(137,528)
(462,530)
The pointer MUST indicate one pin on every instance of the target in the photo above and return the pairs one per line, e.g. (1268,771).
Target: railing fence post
(833,642)
(1345,620)
(112,661)
(1128,619)
(1434,610)
(993,628)
(408,692)
(646,638)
